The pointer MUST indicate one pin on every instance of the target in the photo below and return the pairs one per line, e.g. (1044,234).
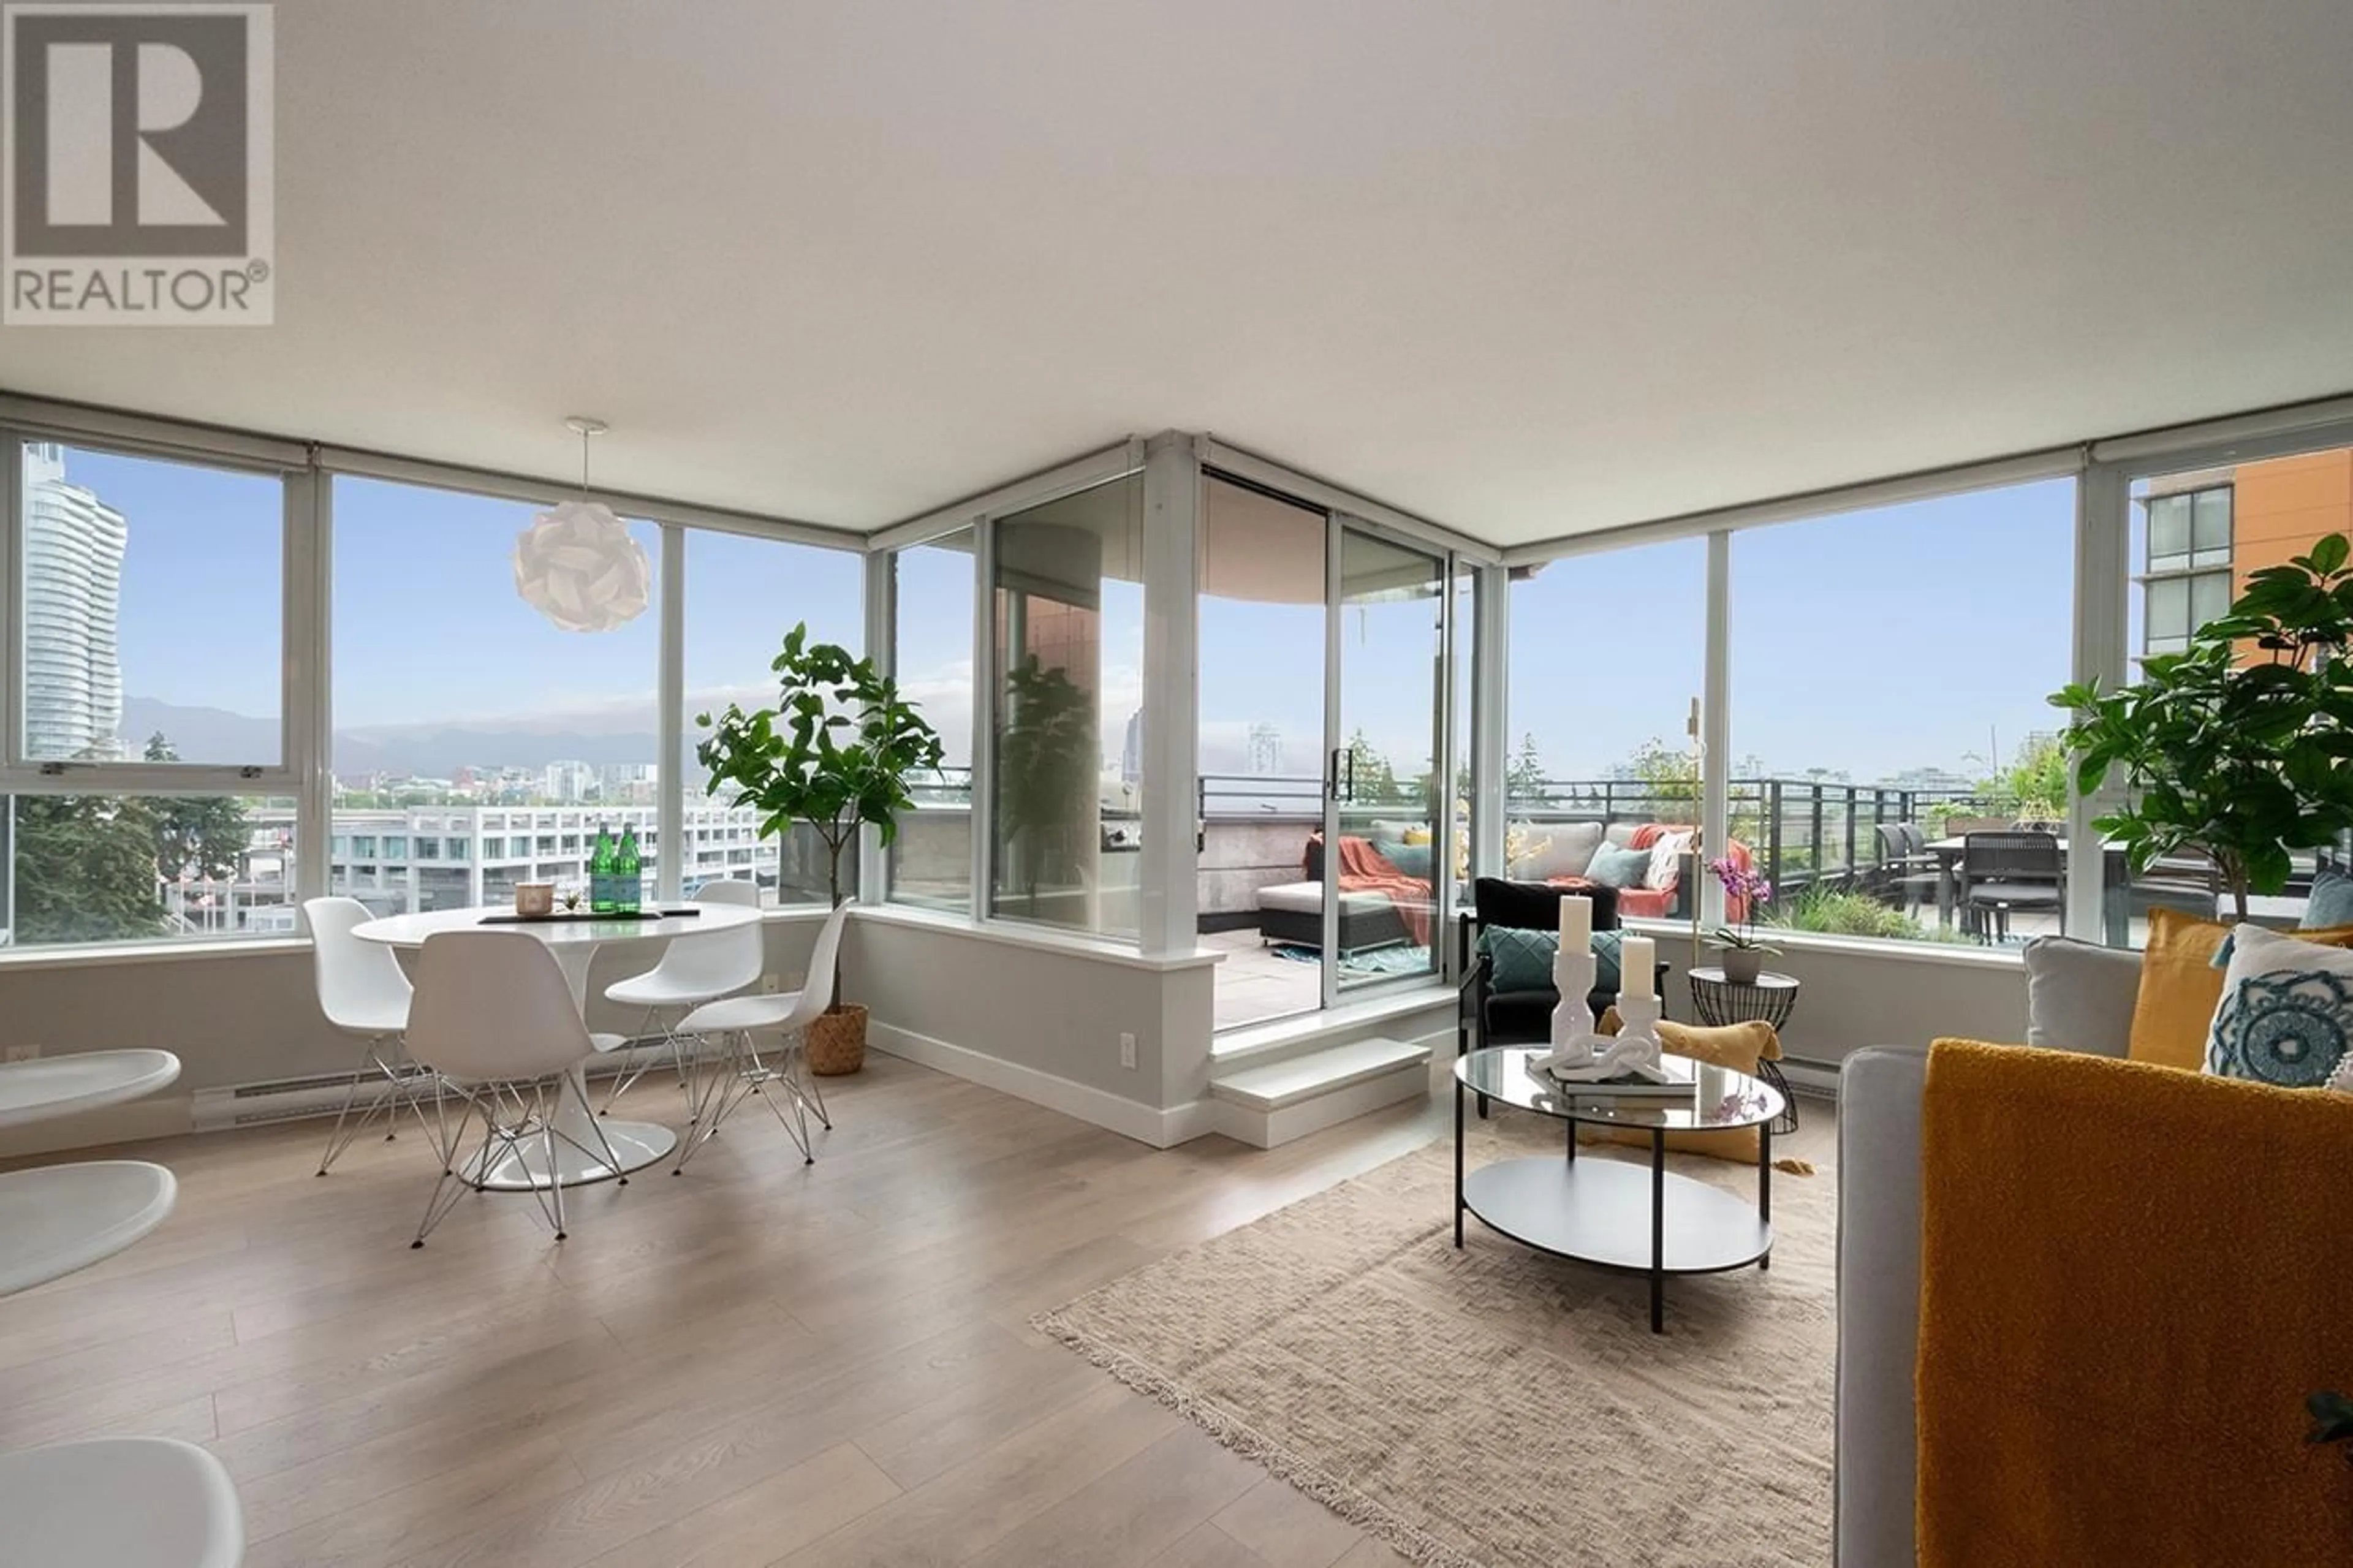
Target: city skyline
(535,692)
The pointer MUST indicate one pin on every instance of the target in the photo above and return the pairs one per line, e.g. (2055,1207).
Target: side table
(1718,999)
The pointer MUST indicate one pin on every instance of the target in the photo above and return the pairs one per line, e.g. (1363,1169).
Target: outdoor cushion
(1307,899)
(1567,850)
(2014,892)
(1620,867)
(1412,859)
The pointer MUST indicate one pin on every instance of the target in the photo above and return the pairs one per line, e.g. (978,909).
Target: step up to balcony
(1271,1104)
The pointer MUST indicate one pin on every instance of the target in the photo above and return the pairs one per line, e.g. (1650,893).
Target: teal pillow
(1523,959)
(1412,859)
(2331,903)
(1618,867)
(1519,960)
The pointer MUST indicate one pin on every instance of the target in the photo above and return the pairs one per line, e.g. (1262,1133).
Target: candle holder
(1572,1015)
(1635,1052)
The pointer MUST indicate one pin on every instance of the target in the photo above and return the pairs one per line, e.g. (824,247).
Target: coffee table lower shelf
(1599,1211)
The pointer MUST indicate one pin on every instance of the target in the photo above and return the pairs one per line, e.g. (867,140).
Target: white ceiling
(1525,267)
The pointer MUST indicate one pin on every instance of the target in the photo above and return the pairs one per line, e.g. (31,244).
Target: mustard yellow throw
(2130,1278)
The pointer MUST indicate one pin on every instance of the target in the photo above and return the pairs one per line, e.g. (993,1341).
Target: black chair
(2009,871)
(1907,870)
(1492,1017)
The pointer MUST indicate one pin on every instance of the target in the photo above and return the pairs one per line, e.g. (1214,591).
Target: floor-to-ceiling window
(150,650)
(1890,675)
(1261,748)
(930,862)
(1607,654)
(1067,709)
(744,592)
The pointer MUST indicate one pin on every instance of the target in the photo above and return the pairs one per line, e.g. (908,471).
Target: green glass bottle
(601,873)
(628,873)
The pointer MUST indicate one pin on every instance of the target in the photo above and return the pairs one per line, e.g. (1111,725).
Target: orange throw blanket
(1364,869)
(2131,1277)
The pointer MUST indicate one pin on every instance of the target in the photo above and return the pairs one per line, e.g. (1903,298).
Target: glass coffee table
(1611,1212)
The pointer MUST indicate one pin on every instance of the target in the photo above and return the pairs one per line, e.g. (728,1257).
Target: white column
(309,727)
(669,774)
(2102,613)
(1490,716)
(1172,508)
(1716,727)
(882,648)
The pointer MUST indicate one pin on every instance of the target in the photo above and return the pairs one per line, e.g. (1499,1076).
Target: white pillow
(2287,1014)
(1667,851)
(1568,854)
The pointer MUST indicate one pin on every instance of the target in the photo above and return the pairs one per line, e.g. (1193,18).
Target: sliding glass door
(1388,807)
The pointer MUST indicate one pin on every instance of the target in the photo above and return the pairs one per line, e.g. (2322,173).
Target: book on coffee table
(1682,1083)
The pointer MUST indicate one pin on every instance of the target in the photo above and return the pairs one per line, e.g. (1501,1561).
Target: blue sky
(1867,642)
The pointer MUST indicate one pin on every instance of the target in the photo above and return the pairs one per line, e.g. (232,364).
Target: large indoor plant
(836,752)
(2235,749)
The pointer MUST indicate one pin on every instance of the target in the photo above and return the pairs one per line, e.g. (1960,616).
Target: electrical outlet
(770,984)
(1127,1051)
(24,1053)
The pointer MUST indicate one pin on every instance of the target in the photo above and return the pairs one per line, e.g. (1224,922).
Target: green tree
(2243,763)
(1523,780)
(1669,774)
(198,836)
(1370,779)
(85,868)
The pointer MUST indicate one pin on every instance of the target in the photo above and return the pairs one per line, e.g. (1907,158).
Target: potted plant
(836,752)
(2236,748)
(1744,955)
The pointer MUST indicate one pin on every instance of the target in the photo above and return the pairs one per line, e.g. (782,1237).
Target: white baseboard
(157,1116)
(1128,1118)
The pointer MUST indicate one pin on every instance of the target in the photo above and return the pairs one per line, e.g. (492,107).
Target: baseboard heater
(295,1099)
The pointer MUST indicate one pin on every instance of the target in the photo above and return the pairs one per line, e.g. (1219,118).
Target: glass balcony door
(1388,847)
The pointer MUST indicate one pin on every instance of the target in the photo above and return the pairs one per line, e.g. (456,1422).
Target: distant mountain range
(429,751)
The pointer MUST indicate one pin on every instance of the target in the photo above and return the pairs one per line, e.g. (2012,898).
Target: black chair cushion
(1535,906)
(2013,893)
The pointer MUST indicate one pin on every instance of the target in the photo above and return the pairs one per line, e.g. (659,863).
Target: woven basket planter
(835,1042)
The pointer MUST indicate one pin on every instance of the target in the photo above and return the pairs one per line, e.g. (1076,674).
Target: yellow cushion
(1736,1045)
(2180,987)
(1417,835)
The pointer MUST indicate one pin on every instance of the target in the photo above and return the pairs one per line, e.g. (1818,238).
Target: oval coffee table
(1612,1213)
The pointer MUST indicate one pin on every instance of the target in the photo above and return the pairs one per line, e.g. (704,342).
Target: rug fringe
(1353,1506)
(1795,1167)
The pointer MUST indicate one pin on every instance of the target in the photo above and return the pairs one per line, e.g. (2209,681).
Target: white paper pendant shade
(578,566)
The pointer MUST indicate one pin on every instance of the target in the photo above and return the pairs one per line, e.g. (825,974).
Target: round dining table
(581,1140)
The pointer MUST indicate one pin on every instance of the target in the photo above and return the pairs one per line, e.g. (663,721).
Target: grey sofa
(2079,997)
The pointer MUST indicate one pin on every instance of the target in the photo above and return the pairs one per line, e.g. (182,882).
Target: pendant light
(576,563)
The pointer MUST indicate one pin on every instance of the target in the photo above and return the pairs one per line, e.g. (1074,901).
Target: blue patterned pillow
(1523,959)
(2286,1016)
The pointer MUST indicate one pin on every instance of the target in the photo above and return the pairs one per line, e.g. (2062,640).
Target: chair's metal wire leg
(627,1078)
(719,1087)
(450,1186)
(796,1126)
(547,1151)
(338,1139)
(604,1150)
(804,1081)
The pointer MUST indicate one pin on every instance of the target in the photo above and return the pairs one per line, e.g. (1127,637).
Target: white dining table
(574,940)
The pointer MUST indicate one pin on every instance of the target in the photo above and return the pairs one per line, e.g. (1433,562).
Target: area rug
(1371,961)
(1494,1408)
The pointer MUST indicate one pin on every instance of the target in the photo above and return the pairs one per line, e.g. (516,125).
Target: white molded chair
(692,970)
(119,1503)
(494,1013)
(362,992)
(740,1073)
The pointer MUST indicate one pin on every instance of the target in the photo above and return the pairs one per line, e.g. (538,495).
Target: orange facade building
(2204,532)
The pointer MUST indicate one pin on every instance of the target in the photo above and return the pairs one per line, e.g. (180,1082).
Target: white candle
(1575,923)
(1637,956)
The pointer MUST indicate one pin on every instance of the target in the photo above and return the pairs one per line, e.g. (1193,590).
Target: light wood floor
(753,1364)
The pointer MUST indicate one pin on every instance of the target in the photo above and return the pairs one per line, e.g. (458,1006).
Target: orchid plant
(1748,889)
